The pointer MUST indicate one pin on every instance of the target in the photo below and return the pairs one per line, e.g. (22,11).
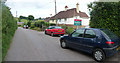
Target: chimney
(66,7)
(77,7)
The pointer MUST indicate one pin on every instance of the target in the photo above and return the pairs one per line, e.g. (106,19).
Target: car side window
(78,33)
(50,28)
(90,34)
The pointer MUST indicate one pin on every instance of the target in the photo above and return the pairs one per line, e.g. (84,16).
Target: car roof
(93,28)
(54,26)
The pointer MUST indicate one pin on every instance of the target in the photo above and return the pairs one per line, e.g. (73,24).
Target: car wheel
(99,55)
(62,34)
(45,33)
(63,44)
(52,34)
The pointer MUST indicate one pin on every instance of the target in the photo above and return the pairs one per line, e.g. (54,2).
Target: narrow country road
(30,45)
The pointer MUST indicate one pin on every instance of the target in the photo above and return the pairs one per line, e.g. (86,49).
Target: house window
(52,20)
(59,20)
(65,19)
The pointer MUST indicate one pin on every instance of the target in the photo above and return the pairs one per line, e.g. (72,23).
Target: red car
(54,30)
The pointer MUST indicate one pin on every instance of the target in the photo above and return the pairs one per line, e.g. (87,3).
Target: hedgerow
(105,15)
(9,25)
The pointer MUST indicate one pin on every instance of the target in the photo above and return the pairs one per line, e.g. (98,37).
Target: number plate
(59,30)
(118,48)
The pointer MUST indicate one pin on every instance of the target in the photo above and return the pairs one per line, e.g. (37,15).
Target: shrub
(25,21)
(29,24)
(32,25)
(69,30)
(64,27)
(106,15)
(36,28)
(52,24)
(46,24)
(9,25)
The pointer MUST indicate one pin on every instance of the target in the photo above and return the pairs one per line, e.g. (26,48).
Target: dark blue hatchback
(101,43)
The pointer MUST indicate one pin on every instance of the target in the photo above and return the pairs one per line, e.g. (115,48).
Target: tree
(29,24)
(30,17)
(22,17)
(105,15)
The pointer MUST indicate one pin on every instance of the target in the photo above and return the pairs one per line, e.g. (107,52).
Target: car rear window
(53,27)
(110,34)
(57,27)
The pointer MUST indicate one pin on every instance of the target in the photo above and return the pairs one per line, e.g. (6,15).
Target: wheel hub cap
(98,55)
(63,44)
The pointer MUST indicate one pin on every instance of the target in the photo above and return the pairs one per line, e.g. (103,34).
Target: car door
(50,29)
(89,40)
(76,39)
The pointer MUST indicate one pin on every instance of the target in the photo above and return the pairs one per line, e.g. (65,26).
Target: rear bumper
(58,33)
(111,51)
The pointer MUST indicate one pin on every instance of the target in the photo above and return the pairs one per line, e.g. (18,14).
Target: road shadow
(115,58)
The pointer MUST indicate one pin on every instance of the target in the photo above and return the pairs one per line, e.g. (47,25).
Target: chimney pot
(77,7)
(66,7)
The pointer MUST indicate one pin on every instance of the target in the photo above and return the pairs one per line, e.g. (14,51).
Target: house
(67,17)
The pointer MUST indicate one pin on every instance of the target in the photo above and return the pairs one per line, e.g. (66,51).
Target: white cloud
(43,8)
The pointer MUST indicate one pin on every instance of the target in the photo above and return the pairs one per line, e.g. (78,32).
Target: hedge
(105,15)
(9,25)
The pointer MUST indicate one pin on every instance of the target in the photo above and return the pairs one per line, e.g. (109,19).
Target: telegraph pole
(56,12)
(55,8)
(16,14)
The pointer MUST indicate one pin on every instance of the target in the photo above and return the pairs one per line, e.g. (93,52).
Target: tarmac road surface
(31,45)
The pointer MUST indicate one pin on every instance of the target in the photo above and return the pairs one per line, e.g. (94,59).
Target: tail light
(109,42)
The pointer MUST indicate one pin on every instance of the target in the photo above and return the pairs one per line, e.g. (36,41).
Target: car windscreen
(110,34)
(57,27)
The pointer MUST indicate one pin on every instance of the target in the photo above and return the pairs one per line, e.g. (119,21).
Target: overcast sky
(43,8)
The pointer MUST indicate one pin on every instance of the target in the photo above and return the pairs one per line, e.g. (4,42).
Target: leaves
(30,17)
(9,25)
(105,15)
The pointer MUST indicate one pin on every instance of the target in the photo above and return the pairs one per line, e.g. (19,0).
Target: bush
(19,25)
(106,15)
(46,24)
(25,21)
(39,23)
(29,24)
(9,25)
(32,25)
(69,30)
(36,28)
(52,24)
(64,27)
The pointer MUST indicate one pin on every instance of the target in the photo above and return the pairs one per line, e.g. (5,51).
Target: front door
(89,40)
(76,39)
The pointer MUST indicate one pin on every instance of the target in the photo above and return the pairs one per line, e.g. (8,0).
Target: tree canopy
(30,17)
(105,15)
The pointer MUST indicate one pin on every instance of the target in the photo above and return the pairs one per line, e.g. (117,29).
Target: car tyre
(99,55)
(52,34)
(63,44)
(45,33)
(62,34)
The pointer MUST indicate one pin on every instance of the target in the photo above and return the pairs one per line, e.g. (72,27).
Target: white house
(67,16)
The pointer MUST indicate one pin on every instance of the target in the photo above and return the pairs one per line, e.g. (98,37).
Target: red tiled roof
(69,14)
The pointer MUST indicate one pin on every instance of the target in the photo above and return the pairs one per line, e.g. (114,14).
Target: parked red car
(54,30)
